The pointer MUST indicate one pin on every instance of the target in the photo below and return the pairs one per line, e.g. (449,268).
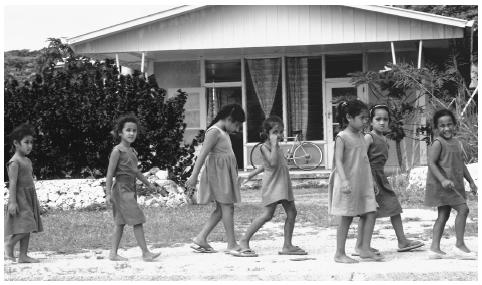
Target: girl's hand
(345,187)
(191,182)
(273,139)
(13,208)
(473,188)
(447,184)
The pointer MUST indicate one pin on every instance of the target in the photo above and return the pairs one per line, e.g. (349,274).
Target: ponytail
(351,108)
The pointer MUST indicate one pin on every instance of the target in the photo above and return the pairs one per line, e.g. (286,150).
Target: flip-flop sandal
(243,253)
(376,258)
(298,251)
(377,252)
(411,246)
(202,249)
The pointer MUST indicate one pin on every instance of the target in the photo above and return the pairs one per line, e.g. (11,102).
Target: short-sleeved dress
(387,199)
(355,162)
(28,218)
(124,195)
(451,165)
(276,180)
(219,177)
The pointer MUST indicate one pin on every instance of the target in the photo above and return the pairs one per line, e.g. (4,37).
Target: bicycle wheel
(255,156)
(307,156)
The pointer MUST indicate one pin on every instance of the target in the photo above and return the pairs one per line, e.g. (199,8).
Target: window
(341,65)
(223,71)
(305,99)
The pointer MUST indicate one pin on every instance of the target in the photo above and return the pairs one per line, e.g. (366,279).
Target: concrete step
(299,179)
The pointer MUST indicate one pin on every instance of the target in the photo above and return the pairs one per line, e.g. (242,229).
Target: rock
(162,174)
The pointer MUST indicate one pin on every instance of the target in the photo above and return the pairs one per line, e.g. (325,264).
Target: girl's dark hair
(21,131)
(353,108)
(121,121)
(268,124)
(378,106)
(233,111)
(443,113)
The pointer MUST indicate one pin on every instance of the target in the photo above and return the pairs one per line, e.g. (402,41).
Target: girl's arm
(271,156)
(114,158)
(339,148)
(433,158)
(368,139)
(256,172)
(12,188)
(210,140)
(469,179)
(143,179)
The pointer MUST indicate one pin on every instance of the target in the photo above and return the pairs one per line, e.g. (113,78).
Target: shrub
(74,106)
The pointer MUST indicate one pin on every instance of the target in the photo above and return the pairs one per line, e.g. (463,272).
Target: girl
(387,200)
(276,190)
(23,211)
(122,195)
(351,185)
(219,178)
(445,184)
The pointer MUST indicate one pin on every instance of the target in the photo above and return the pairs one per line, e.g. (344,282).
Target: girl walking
(276,190)
(23,210)
(388,204)
(445,184)
(219,177)
(351,186)
(122,195)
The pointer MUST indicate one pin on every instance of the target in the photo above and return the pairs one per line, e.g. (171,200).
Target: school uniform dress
(219,177)
(451,165)
(356,165)
(276,185)
(387,199)
(124,195)
(27,220)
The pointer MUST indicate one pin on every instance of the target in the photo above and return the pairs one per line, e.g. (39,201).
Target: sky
(29,26)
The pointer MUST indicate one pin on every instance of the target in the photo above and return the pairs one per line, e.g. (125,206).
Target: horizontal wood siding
(216,27)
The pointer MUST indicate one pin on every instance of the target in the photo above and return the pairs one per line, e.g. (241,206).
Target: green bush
(73,108)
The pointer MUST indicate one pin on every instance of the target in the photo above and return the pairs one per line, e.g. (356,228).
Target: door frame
(331,83)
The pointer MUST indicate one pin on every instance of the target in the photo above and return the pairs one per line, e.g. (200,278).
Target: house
(290,61)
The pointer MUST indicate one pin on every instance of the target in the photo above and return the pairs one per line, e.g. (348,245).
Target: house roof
(177,11)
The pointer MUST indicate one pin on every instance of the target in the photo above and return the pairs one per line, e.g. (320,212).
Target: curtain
(213,104)
(265,77)
(297,77)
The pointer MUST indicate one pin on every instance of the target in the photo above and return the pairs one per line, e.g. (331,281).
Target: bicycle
(305,155)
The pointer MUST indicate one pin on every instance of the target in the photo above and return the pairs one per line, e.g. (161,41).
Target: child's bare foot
(150,256)
(8,252)
(437,250)
(116,257)
(27,259)
(463,248)
(436,254)
(342,258)
(374,250)
(243,244)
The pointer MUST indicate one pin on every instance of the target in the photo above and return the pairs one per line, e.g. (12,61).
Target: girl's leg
(257,224)
(227,213)
(291,213)
(438,228)
(398,227)
(141,241)
(10,244)
(359,238)
(23,257)
(368,221)
(341,234)
(460,221)
(201,238)
(116,238)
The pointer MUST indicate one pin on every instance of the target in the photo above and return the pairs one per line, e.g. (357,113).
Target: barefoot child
(276,190)
(351,186)
(387,200)
(445,184)
(23,211)
(219,178)
(122,195)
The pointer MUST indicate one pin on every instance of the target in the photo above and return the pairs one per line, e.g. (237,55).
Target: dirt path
(180,263)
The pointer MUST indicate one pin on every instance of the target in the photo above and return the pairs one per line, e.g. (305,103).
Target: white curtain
(265,77)
(297,75)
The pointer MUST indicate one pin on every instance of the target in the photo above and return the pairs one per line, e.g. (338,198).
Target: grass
(73,231)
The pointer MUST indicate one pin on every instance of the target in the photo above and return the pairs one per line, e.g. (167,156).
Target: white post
(244,104)
(284,95)
(142,62)
(117,62)
(419,64)
(394,59)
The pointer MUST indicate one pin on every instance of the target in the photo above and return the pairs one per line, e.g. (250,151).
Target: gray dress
(387,199)
(451,164)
